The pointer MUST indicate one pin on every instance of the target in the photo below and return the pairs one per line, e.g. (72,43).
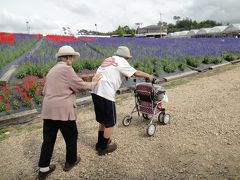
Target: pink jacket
(59,102)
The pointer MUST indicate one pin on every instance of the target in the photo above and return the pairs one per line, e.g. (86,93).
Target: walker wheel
(151,128)
(166,119)
(146,116)
(127,120)
(161,117)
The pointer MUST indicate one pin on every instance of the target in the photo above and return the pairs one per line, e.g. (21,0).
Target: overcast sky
(49,16)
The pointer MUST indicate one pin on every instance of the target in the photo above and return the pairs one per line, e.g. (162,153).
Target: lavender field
(161,57)
(155,55)
(176,47)
(149,54)
(20,43)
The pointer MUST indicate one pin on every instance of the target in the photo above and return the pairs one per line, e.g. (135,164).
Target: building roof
(175,34)
(151,27)
(169,35)
(217,29)
(203,31)
(192,32)
(183,33)
(152,30)
(232,28)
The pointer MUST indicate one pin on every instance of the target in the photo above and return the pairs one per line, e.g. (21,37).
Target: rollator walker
(149,99)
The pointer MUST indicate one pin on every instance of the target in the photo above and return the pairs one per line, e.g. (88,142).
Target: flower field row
(178,48)
(39,63)
(58,38)
(7,38)
(170,54)
(149,54)
(14,45)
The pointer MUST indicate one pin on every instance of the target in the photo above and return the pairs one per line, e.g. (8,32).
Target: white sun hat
(123,51)
(67,51)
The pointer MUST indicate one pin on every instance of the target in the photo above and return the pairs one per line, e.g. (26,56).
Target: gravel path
(203,140)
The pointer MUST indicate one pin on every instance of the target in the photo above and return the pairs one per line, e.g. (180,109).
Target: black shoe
(97,146)
(110,148)
(43,175)
(69,166)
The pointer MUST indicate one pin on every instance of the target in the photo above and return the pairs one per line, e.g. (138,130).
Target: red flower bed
(7,38)
(87,39)
(57,38)
(38,35)
(26,95)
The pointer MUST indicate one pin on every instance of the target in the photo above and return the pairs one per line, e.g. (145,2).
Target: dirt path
(203,140)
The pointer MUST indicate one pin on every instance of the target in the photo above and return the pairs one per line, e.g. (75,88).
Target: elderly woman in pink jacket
(59,110)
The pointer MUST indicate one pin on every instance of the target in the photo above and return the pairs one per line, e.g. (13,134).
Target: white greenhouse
(180,34)
(203,32)
(217,31)
(232,30)
(192,32)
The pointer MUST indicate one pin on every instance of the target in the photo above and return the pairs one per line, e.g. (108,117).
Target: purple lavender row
(178,48)
(47,50)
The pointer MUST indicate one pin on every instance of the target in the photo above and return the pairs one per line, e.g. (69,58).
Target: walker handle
(153,81)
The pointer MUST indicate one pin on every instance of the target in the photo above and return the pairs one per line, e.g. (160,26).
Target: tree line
(180,25)
(189,24)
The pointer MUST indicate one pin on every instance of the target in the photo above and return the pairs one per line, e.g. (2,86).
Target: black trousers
(70,135)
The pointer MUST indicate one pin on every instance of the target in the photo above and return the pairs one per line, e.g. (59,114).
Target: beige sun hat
(123,51)
(67,51)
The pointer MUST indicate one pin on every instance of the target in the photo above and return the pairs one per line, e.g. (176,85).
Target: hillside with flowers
(161,57)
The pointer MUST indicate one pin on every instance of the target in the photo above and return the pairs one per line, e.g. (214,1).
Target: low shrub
(193,61)
(38,100)
(2,106)
(182,65)
(208,59)
(230,57)
(144,65)
(169,64)
(27,103)
(41,69)
(16,104)
(157,70)
(34,69)
(157,67)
